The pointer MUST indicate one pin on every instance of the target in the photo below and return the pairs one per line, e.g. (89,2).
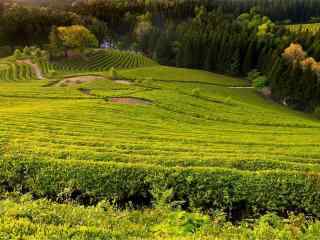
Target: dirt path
(241,87)
(126,82)
(129,101)
(35,68)
(78,80)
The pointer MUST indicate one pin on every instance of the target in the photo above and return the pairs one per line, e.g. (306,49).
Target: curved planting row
(23,68)
(10,71)
(102,60)
(203,188)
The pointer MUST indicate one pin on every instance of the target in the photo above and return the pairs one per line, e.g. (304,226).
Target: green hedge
(205,188)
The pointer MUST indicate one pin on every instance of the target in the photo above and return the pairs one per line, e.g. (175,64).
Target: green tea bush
(24,218)
(211,188)
(18,54)
(114,74)
(27,52)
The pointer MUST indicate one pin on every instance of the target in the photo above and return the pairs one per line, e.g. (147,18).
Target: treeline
(25,26)
(278,10)
(218,42)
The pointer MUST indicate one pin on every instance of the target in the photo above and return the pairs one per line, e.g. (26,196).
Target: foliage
(41,219)
(260,82)
(99,29)
(17,53)
(294,53)
(143,25)
(74,37)
(253,74)
(89,182)
(262,25)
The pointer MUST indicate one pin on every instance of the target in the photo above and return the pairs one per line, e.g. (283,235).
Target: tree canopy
(74,37)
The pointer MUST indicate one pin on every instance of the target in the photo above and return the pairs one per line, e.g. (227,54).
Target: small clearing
(129,101)
(35,68)
(71,81)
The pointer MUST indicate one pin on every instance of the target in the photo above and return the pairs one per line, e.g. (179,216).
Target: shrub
(17,53)
(260,82)
(114,74)
(37,53)
(252,75)
(27,52)
(181,223)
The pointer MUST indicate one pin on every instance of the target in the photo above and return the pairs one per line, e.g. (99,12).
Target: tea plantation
(308,27)
(208,139)
(102,60)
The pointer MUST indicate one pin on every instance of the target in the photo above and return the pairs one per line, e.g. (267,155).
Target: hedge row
(103,60)
(238,192)
(13,72)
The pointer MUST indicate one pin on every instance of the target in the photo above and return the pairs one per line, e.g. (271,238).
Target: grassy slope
(218,128)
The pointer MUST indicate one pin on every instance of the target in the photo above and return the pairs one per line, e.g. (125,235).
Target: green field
(213,142)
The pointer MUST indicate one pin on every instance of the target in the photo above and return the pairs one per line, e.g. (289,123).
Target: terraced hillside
(103,60)
(10,71)
(214,144)
(30,64)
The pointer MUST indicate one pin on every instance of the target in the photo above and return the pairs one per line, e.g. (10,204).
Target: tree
(99,29)
(75,37)
(55,42)
(248,59)
(294,53)
(143,25)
